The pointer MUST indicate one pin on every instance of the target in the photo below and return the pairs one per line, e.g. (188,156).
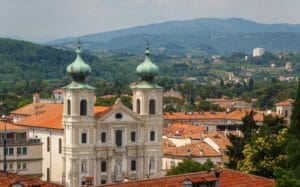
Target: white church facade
(102,145)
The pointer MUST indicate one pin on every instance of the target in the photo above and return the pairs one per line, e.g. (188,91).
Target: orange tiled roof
(235,115)
(169,181)
(8,179)
(48,115)
(199,149)
(232,178)
(288,102)
(184,130)
(219,138)
(10,127)
(228,178)
(194,115)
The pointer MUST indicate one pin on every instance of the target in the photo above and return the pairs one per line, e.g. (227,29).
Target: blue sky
(43,20)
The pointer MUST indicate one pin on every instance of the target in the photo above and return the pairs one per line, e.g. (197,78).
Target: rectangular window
(133,165)
(48,144)
(119,138)
(19,150)
(285,113)
(10,166)
(84,138)
(24,165)
(24,150)
(18,165)
(103,166)
(103,137)
(48,174)
(59,146)
(9,151)
(133,136)
(103,181)
(152,135)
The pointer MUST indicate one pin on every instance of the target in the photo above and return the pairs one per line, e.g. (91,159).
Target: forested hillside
(199,36)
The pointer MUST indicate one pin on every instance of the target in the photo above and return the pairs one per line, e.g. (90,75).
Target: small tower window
(133,165)
(138,106)
(69,107)
(152,106)
(84,138)
(133,136)
(103,137)
(83,107)
(152,136)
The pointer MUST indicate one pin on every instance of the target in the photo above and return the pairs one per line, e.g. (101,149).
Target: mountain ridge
(198,34)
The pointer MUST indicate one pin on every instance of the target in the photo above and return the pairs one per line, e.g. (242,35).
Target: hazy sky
(42,20)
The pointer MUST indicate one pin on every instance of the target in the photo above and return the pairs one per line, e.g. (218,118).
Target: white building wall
(51,159)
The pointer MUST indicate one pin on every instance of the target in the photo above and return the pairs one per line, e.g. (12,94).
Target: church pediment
(119,113)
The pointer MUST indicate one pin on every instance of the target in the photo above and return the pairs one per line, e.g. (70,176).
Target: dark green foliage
(190,166)
(235,151)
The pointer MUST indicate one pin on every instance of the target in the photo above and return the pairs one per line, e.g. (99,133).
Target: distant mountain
(209,35)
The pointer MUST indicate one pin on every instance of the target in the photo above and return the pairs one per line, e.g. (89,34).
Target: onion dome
(147,70)
(78,68)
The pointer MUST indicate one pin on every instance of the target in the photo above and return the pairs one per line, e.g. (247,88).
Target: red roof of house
(234,115)
(194,150)
(8,179)
(288,102)
(10,127)
(228,178)
(47,115)
(184,130)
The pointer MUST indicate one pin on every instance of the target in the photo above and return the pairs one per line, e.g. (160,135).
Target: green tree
(264,154)
(190,166)
(235,150)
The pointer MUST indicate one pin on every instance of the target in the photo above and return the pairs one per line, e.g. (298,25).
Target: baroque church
(110,144)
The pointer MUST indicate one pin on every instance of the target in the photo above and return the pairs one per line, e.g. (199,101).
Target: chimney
(36,98)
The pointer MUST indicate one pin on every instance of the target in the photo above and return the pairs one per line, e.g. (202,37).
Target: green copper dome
(79,69)
(147,70)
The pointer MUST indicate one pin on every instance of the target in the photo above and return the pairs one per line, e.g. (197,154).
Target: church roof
(48,115)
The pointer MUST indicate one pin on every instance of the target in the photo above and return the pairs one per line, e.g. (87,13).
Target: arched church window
(83,107)
(138,106)
(152,106)
(69,107)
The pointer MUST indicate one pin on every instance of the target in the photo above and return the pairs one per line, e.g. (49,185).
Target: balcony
(21,141)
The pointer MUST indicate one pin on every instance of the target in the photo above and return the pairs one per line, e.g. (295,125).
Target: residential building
(257,52)
(23,154)
(284,109)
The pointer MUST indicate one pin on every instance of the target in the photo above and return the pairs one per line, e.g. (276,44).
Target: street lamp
(3,118)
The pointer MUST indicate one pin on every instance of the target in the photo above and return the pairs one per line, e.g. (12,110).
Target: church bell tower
(78,123)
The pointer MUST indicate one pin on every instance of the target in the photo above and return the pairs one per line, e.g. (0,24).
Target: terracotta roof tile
(183,130)
(288,102)
(48,115)
(199,149)
(8,179)
(228,178)
(10,127)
